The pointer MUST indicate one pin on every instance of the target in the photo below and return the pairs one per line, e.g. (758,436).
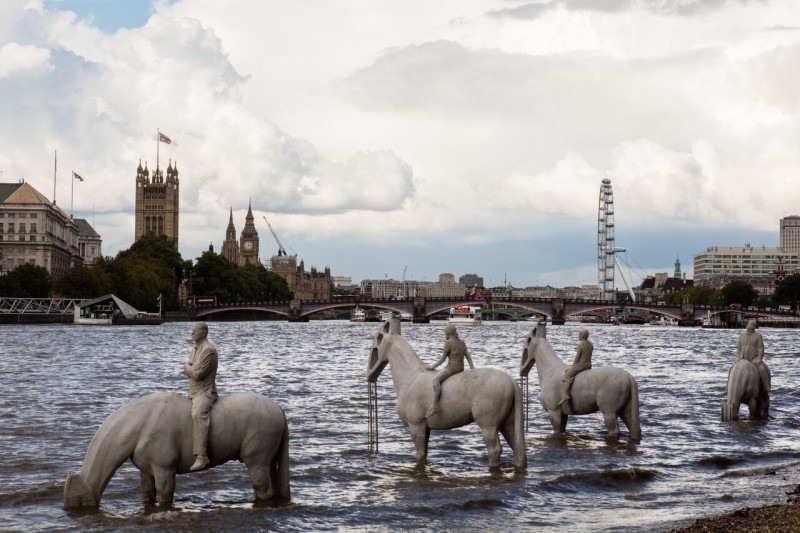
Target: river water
(60,382)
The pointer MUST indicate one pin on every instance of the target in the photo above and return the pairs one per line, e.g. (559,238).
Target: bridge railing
(38,306)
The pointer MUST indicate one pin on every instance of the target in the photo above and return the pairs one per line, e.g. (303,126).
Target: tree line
(787,292)
(150,268)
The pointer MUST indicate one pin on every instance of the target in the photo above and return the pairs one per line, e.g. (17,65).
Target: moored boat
(358,315)
(465,315)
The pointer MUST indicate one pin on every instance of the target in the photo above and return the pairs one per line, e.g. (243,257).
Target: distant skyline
(461,137)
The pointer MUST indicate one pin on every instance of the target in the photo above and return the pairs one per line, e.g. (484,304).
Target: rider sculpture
(583,361)
(454,351)
(751,348)
(201,369)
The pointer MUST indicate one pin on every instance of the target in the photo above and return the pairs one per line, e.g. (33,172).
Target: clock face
(248,245)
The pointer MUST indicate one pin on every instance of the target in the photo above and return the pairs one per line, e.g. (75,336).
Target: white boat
(465,315)
(406,317)
(358,315)
(386,315)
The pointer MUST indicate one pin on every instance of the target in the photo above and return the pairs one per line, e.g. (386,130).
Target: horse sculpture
(612,391)
(491,398)
(155,433)
(744,386)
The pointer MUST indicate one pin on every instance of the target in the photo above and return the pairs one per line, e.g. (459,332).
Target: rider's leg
(566,383)
(437,390)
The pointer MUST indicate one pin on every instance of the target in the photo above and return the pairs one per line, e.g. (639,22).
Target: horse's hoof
(200,463)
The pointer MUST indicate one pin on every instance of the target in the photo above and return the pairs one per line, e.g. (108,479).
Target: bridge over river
(556,310)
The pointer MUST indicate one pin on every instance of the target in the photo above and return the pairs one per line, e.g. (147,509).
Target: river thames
(60,382)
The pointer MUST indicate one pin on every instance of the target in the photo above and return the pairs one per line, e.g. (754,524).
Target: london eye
(606,249)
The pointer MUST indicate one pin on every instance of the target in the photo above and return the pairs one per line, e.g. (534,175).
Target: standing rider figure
(751,347)
(454,351)
(201,368)
(583,361)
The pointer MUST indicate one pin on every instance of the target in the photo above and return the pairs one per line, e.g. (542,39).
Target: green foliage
(140,281)
(214,275)
(27,281)
(86,282)
(739,292)
(696,296)
(788,291)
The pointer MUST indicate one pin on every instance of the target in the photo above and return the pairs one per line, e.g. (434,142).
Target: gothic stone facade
(157,202)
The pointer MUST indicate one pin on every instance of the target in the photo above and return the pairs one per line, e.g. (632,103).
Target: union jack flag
(163,138)
(76,176)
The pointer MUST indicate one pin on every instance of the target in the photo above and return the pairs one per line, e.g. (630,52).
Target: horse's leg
(610,419)
(420,434)
(558,420)
(165,484)
(752,407)
(493,445)
(148,487)
(260,478)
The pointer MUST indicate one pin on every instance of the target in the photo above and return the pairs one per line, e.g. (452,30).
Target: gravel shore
(771,518)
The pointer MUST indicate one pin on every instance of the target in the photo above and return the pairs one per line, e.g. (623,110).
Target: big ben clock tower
(248,241)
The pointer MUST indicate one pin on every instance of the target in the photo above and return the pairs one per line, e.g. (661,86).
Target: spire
(249,217)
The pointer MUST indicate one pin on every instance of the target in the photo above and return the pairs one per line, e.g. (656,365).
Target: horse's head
(529,351)
(377,355)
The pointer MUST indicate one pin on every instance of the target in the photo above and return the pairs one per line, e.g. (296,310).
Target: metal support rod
(372,415)
(523,384)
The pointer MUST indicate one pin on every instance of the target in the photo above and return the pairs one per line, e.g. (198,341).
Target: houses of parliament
(157,211)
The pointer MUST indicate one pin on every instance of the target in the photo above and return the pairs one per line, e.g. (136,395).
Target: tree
(86,282)
(788,292)
(214,275)
(27,281)
(739,292)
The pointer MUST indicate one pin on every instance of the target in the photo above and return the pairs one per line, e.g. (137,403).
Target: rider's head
(583,334)
(450,331)
(751,326)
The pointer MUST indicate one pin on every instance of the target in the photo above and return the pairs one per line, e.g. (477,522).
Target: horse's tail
(280,466)
(520,453)
(633,411)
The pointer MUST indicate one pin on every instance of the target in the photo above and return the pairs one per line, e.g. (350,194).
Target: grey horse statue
(610,390)
(491,398)
(744,387)
(155,433)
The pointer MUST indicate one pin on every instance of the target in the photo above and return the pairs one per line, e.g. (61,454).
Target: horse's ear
(393,325)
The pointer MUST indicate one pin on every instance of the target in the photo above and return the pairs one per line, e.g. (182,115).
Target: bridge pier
(557,312)
(295,310)
(419,316)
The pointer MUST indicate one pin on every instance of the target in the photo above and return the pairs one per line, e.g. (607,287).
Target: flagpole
(71,195)
(55,169)
(158,145)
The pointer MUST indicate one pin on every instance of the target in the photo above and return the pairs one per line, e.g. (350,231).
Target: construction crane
(281,249)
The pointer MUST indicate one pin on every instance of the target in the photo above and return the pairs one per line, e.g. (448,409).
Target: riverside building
(35,230)
(757,265)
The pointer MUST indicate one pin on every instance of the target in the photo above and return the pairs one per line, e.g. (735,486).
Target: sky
(417,137)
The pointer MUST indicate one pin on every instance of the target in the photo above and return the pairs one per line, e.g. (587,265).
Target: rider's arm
(759,350)
(203,363)
(469,359)
(445,353)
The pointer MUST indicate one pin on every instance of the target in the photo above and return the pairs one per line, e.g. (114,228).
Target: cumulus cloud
(17,59)
(532,10)
(417,124)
